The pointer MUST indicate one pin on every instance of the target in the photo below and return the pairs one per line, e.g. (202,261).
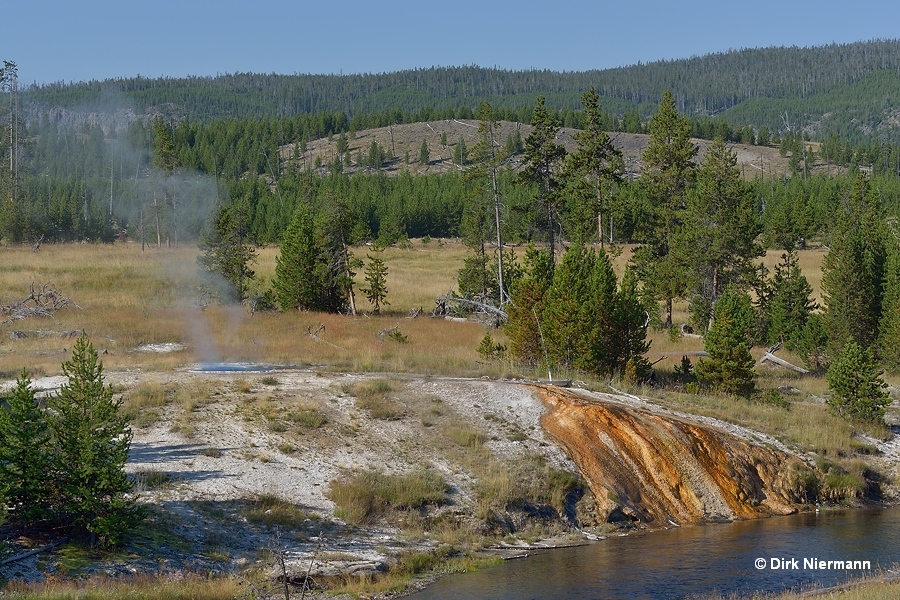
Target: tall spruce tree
(461,153)
(592,171)
(629,343)
(227,251)
(527,301)
(567,317)
(333,232)
(602,334)
(91,438)
(376,276)
(669,171)
(25,452)
(853,271)
(299,278)
(889,324)
(542,165)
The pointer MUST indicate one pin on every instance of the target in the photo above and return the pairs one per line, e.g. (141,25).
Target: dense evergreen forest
(841,89)
(154,159)
(226,162)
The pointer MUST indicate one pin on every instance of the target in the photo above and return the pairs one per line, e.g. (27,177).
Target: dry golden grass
(806,426)
(171,587)
(864,589)
(129,298)
(416,275)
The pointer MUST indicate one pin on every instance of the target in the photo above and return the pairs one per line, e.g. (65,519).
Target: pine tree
(629,342)
(165,156)
(669,160)
(424,154)
(91,438)
(592,171)
(812,343)
(567,316)
(853,272)
(542,165)
(299,281)
(514,143)
(857,390)
(715,245)
(226,249)
(527,301)
(787,303)
(602,335)
(376,276)
(332,238)
(342,145)
(461,153)
(729,367)
(25,453)
(889,325)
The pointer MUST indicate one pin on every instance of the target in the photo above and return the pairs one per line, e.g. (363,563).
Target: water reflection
(688,561)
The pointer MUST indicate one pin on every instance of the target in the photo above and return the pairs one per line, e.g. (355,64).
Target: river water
(693,560)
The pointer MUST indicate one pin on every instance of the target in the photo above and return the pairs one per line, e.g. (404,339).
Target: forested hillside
(236,162)
(842,89)
(154,159)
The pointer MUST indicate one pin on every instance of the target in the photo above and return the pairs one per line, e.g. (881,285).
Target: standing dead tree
(43,302)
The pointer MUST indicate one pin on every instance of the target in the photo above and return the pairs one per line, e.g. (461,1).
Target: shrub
(773,397)
(372,396)
(488,350)
(398,336)
(311,418)
(363,497)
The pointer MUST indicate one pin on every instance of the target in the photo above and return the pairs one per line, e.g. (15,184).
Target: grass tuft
(364,496)
(271,511)
(372,396)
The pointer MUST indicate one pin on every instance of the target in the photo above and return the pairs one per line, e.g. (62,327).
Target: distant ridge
(844,89)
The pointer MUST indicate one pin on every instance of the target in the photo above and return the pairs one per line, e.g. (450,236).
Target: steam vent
(651,468)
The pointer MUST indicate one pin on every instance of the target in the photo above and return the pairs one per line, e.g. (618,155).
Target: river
(694,560)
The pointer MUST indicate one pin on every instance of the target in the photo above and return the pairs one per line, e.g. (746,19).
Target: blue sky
(79,40)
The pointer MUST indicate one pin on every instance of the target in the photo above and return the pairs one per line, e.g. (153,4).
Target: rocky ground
(204,458)
(201,463)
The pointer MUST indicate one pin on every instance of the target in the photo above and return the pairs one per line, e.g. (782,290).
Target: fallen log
(441,307)
(769,357)
(25,555)
(39,303)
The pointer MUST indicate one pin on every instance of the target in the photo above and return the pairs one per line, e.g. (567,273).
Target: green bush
(773,397)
